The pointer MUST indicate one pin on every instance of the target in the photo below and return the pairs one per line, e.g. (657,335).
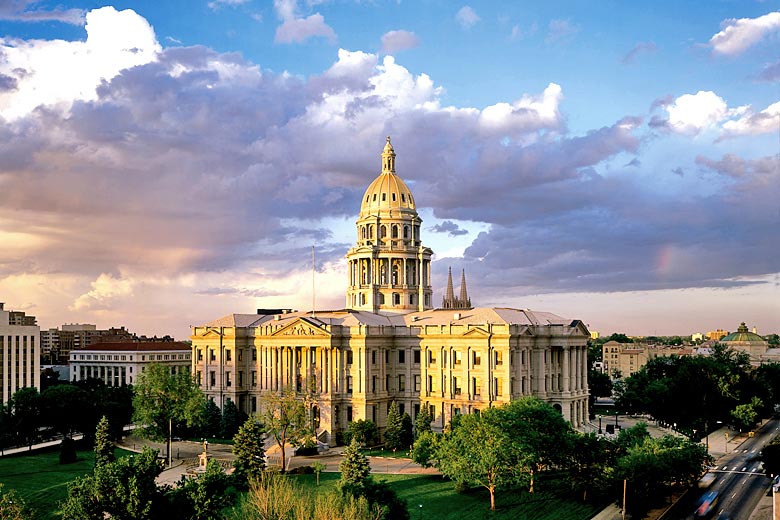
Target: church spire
(450,295)
(464,297)
(388,158)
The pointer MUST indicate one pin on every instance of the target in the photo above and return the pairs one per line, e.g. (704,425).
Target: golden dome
(388,191)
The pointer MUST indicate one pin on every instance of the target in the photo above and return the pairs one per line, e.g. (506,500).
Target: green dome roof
(742,334)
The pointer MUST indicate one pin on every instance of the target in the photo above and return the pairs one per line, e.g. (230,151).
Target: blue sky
(165,163)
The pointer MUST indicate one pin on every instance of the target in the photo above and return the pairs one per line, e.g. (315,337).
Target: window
(416,353)
(240,378)
(373,384)
(253,400)
(416,383)
(456,386)
(228,356)
(476,386)
(401,408)
(456,358)
(499,391)
(401,357)
(349,408)
(212,356)
(212,378)
(499,358)
(387,383)
(431,357)
(430,383)
(476,359)
(240,355)
(396,296)
(349,357)
(401,383)
(349,385)
(254,377)
(228,380)
(373,357)
(387,357)
(254,354)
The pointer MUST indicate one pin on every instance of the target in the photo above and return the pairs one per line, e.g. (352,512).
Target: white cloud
(104,291)
(216,4)
(298,29)
(738,35)
(691,113)
(18,10)
(561,30)
(467,17)
(764,122)
(57,72)
(527,112)
(394,41)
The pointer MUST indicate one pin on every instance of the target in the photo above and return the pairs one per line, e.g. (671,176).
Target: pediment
(302,328)
(579,328)
(476,332)
(210,333)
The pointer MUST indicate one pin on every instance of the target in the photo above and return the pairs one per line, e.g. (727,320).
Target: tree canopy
(286,419)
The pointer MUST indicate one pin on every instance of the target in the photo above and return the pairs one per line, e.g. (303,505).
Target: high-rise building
(20,352)
(390,344)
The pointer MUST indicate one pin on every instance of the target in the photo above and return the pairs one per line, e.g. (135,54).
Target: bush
(307,451)
(302,470)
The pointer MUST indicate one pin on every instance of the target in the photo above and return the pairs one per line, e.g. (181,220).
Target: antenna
(313,285)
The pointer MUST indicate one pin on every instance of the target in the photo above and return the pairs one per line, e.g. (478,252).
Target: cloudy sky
(166,163)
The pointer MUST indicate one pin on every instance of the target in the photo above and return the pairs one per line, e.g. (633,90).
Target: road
(739,480)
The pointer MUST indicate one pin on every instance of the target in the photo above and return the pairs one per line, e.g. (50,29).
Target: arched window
(406,231)
(381,299)
(396,299)
(382,231)
(383,274)
(395,275)
(395,230)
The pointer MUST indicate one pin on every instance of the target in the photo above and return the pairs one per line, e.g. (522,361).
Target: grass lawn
(41,480)
(440,501)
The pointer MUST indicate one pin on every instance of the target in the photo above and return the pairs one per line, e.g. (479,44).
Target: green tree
(249,450)
(479,452)
(407,431)
(57,405)
(13,506)
(25,407)
(538,432)
(422,423)
(590,471)
(599,383)
(394,431)
(746,415)
(770,456)
(365,432)
(231,420)
(163,399)
(104,445)
(355,469)
(425,448)
(286,419)
(212,419)
(318,468)
(122,490)
(203,497)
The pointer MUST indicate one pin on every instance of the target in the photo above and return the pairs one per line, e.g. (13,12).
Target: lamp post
(616,419)
(600,425)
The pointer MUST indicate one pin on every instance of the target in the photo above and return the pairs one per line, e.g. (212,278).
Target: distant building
(745,341)
(697,336)
(119,364)
(20,352)
(623,358)
(450,301)
(715,335)
(58,343)
(594,334)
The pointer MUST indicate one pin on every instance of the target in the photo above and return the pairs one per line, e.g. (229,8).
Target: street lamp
(600,425)
(616,423)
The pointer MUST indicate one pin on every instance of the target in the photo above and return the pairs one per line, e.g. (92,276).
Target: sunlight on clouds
(766,121)
(528,111)
(739,35)
(58,72)
(104,291)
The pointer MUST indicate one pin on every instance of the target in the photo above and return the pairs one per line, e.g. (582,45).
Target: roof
(347,318)
(742,335)
(388,191)
(141,346)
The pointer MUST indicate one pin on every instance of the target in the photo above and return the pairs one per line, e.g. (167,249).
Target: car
(707,504)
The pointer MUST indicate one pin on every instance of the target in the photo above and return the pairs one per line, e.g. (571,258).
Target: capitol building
(389,343)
